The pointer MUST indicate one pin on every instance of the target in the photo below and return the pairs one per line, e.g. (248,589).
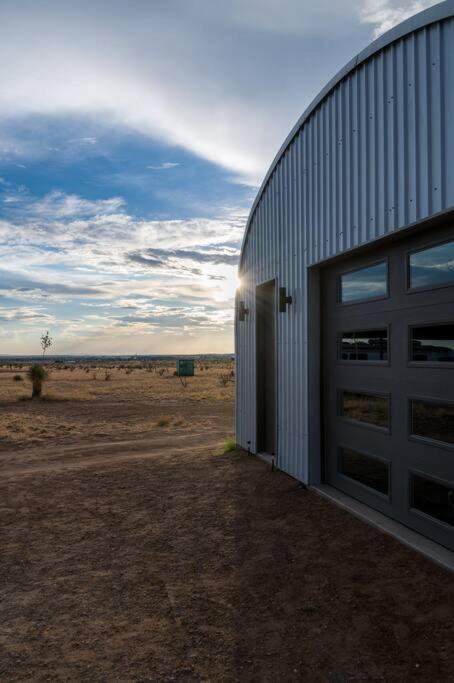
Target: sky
(133,139)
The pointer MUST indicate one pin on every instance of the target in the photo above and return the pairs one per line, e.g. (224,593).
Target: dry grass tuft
(163,421)
(229,444)
(168,421)
(34,428)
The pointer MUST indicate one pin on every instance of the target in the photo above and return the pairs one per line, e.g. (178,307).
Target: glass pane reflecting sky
(367,283)
(434,266)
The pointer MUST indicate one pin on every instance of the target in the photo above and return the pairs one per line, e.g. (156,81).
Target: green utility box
(185,367)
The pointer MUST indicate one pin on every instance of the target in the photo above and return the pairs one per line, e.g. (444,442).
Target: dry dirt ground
(152,557)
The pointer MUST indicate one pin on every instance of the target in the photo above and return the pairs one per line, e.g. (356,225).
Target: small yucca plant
(37,374)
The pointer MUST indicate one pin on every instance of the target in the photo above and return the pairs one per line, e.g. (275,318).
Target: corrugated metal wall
(375,155)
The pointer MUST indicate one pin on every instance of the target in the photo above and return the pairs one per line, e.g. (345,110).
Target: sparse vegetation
(124,404)
(168,421)
(18,378)
(225,378)
(37,374)
(229,444)
(46,342)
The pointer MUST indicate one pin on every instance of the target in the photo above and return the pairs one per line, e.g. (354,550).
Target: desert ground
(136,547)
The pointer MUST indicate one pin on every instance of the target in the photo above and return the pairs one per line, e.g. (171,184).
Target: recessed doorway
(266,367)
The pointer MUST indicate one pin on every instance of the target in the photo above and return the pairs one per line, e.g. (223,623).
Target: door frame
(268,281)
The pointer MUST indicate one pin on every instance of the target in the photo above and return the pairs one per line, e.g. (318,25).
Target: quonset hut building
(345,313)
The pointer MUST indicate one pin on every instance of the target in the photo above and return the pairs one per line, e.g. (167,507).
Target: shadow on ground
(188,566)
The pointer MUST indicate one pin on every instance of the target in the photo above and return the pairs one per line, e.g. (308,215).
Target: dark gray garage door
(388,380)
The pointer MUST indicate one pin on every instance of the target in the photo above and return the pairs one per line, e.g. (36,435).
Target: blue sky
(133,138)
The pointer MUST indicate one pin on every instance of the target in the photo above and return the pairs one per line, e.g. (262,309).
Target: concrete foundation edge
(423,545)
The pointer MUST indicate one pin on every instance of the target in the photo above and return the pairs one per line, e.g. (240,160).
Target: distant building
(345,314)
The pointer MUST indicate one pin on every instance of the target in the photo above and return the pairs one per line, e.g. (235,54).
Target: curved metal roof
(443,10)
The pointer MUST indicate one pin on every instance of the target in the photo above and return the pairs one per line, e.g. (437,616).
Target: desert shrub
(107,376)
(18,378)
(225,378)
(37,374)
(163,421)
(229,444)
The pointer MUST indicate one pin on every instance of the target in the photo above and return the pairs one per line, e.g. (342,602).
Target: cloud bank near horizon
(81,268)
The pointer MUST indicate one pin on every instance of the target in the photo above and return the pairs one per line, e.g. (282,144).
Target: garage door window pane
(366,345)
(433,499)
(365,469)
(432,344)
(433,421)
(365,408)
(432,267)
(366,283)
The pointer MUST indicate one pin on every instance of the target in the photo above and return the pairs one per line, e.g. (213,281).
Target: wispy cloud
(24,315)
(182,259)
(88,140)
(232,107)
(58,205)
(385,14)
(164,166)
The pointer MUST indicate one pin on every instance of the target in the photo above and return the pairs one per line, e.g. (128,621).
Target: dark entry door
(388,380)
(266,367)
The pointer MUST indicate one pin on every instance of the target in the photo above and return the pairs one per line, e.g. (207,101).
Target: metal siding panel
(327,231)
(381,132)
(372,117)
(448,109)
(356,162)
(436,119)
(422,132)
(412,129)
(376,153)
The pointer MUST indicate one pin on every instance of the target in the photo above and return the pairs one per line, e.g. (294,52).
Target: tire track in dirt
(74,457)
